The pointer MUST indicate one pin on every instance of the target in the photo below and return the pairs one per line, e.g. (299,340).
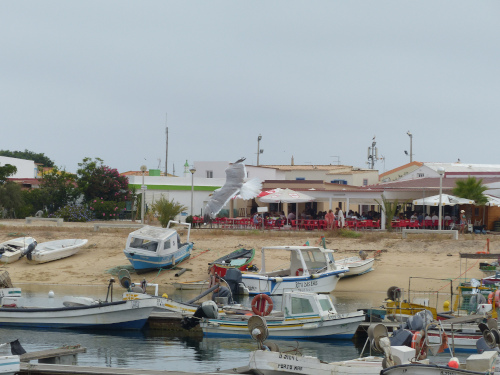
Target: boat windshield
(301,306)
(326,304)
(141,243)
(314,259)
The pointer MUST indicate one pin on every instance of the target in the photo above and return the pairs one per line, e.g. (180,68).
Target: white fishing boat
(9,364)
(268,360)
(54,250)
(311,269)
(356,265)
(80,313)
(151,248)
(11,250)
(304,316)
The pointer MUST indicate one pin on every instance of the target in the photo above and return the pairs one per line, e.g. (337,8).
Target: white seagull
(235,184)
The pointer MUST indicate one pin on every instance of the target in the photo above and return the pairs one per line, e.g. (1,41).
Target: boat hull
(9,364)
(55,250)
(318,283)
(356,265)
(130,315)
(143,262)
(275,363)
(427,369)
(342,328)
(17,246)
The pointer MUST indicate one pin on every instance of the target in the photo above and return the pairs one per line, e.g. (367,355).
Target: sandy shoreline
(426,257)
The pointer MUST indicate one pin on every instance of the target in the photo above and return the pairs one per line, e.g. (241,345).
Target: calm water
(153,350)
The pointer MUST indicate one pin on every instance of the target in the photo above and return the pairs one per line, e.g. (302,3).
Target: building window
(365,182)
(420,175)
(210,174)
(300,178)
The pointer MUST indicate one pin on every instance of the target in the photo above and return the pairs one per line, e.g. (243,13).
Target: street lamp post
(192,170)
(411,145)
(143,189)
(440,170)
(259,151)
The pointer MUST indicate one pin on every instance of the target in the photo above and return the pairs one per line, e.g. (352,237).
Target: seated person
(435,217)
(427,217)
(291,216)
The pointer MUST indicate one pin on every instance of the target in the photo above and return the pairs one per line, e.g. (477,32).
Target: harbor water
(156,350)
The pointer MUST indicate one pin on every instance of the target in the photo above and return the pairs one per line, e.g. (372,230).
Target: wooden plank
(28,368)
(42,354)
(479,256)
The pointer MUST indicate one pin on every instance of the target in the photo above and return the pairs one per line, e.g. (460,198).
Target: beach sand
(424,256)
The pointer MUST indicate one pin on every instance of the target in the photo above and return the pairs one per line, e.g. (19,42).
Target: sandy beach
(425,256)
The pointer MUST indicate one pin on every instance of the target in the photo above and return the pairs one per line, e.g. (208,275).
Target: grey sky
(316,78)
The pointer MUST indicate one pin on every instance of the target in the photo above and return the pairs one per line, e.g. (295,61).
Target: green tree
(390,209)
(5,172)
(96,180)
(58,189)
(10,193)
(28,155)
(166,210)
(471,188)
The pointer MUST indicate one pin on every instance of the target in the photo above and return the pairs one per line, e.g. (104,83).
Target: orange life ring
(259,303)
(490,298)
(300,270)
(418,343)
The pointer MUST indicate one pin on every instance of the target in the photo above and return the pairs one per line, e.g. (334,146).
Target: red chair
(376,224)
(414,224)
(351,224)
(427,223)
(322,224)
(361,224)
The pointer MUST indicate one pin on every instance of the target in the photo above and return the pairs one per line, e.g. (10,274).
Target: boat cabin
(304,261)
(303,304)
(150,239)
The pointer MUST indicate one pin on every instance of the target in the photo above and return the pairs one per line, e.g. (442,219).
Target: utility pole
(166,148)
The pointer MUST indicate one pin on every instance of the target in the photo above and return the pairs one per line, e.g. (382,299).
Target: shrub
(349,233)
(106,210)
(166,210)
(189,219)
(74,213)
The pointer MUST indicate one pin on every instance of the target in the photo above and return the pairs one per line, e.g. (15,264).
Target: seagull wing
(234,181)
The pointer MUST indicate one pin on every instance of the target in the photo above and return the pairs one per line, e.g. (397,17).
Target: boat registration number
(305,284)
(289,366)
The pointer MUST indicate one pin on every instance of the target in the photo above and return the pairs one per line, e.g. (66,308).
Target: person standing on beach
(330,218)
(340,217)
(463,221)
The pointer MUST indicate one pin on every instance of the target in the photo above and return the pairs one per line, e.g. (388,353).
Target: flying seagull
(235,184)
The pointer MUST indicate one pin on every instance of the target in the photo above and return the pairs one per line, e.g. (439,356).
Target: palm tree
(390,209)
(471,188)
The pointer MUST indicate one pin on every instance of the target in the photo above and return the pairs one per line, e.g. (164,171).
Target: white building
(25,168)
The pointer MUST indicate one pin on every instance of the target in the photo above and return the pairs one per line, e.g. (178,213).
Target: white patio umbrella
(287,196)
(492,200)
(446,200)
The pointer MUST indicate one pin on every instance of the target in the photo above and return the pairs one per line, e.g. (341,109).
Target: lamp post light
(192,170)
(143,189)
(259,151)
(411,145)
(440,170)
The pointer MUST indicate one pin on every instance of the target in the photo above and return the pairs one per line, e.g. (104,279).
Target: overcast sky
(318,79)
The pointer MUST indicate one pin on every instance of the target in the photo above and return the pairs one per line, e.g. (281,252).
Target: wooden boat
(151,248)
(54,250)
(191,285)
(241,259)
(311,269)
(304,316)
(11,250)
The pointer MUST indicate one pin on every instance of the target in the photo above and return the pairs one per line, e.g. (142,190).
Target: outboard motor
(29,250)
(419,321)
(401,337)
(208,309)
(233,278)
